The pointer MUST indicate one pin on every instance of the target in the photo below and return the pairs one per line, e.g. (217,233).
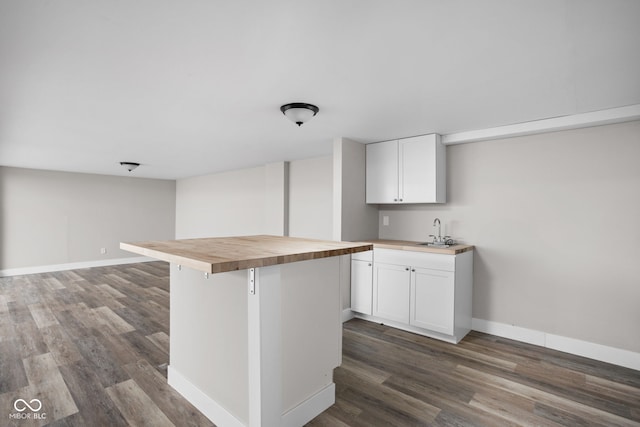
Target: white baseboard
(509,331)
(600,352)
(296,417)
(453,339)
(347,315)
(209,407)
(310,408)
(72,266)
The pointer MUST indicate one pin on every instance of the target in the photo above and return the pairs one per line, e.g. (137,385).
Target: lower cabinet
(391,292)
(432,300)
(425,293)
(361,282)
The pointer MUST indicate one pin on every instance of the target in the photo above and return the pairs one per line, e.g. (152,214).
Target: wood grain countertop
(220,254)
(407,245)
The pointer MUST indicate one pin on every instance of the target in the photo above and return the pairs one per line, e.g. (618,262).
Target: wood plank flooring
(395,378)
(93,345)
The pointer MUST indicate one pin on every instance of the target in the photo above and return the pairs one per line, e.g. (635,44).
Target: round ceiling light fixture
(130,166)
(299,112)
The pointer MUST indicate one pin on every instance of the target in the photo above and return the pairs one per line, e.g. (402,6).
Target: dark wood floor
(92,345)
(395,378)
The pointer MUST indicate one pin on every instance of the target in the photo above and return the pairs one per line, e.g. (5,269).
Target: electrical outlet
(103,251)
(385,219)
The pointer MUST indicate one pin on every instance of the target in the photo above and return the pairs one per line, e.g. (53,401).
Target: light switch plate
(385,219)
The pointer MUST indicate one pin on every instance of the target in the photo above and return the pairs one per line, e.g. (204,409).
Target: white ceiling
(190,87)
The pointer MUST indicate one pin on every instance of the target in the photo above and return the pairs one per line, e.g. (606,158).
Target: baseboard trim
(453,339)
(603,353)
(297,416)
(209,407)
(310,408)
(72,266)
(509,331)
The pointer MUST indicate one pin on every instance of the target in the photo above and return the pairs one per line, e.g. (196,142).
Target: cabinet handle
(413,269)
(406,269)
(400,199)
(369,264)
(395,200)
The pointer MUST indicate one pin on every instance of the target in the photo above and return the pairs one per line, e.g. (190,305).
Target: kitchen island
(255,325)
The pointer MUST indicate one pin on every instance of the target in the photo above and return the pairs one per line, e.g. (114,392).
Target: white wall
(50,218)
(555,219)
(223,204)
(311,198)
(283,198)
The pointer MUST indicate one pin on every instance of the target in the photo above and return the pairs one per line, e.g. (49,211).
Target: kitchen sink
(434,245)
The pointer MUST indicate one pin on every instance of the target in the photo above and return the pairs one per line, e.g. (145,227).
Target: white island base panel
(257,359)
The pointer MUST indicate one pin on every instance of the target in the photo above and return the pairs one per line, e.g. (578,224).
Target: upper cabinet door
(422,170)
(382,172)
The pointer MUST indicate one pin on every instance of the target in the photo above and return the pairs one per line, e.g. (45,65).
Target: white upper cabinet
(410,170)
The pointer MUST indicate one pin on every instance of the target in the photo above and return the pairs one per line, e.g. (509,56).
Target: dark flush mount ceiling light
(130,166)
(299,112)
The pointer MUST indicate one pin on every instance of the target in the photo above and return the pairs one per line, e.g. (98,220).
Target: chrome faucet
(437,239)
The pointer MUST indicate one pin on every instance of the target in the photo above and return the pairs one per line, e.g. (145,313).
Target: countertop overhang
(406,245)
(220,254)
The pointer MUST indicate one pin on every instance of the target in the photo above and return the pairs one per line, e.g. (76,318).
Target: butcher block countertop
(406,245)
(220,254)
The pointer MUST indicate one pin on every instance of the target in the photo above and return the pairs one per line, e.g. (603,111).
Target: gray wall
(49,218)
(353,219)
(555,219)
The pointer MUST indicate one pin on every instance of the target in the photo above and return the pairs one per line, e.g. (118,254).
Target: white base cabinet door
(391,290)
(432,300)
(361,286)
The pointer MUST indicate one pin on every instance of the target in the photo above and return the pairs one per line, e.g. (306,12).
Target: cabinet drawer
(363,256)
(416,259)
